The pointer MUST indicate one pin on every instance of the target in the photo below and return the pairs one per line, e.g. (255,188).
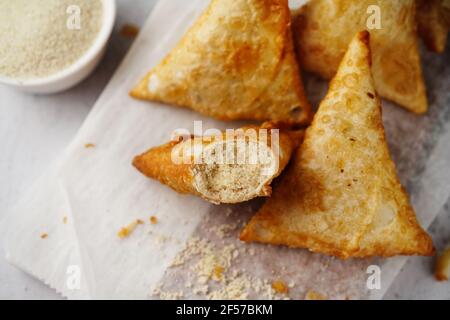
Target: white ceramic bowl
(78,71)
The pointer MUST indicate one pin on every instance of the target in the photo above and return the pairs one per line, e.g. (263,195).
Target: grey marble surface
(34,130)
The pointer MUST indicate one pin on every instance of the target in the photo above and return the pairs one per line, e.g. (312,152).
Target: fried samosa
(433,18)
(341,195)
(228,167)
(236,62)
(324,28)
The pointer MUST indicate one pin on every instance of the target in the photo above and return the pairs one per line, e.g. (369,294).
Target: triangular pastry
(229,167)
(341,195)
(324,28)
(236,62)
(433,18)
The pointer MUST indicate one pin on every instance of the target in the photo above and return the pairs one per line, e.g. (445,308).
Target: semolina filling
(222,181)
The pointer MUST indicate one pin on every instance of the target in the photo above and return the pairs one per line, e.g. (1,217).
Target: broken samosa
(341,195)
(433,19)
(236,62)
(324,28)
(227,167)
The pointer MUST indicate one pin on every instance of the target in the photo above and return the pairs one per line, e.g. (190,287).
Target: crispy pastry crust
(341,195)
(157,162)
(324,28)
(236,62)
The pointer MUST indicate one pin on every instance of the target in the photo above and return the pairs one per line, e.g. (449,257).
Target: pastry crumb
(224,230)
(218,271)
(166,295)
(280,286)
(213,273)
(443,266)
(65,219)
(153,220)
(89,145)
(44,236)
(129,31)
(126,231)
(313,295)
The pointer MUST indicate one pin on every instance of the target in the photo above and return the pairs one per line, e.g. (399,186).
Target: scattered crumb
(192,248)
(213,275)
(44,235)
(443,266)
(201,290)
(263,286)
(218,270)
(65,219)
(236,289)
(280,286)
(312,295)
(129,31)
(223,230)
(165,295)
(210,258)
(89,145)
(126,231)
(153,220)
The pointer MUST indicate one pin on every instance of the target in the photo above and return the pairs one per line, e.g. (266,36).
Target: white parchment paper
(99,192)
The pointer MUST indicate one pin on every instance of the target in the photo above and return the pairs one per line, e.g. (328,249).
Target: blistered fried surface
(324,28)
(236,62)
(341,196)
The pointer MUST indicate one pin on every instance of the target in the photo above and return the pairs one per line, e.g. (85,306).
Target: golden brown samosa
(341,195)
(324,28)
(236,62)
(229,167)
(433,18)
